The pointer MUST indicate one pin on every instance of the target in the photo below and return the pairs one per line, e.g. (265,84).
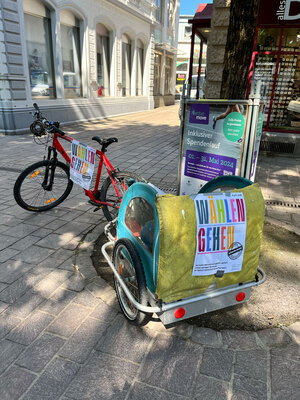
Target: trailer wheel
(129,265)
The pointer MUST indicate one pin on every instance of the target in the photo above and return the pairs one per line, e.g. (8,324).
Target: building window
(159,10)
(139,67)
(126,65)
(103,60)
(157,74)
(171,13)
(168,75)
(70,43)
(39,49)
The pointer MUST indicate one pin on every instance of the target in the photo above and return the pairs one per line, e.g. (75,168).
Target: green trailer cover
(177,246)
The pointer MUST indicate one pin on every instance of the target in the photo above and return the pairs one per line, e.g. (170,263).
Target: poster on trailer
(82,164)
(212,143)
(221,233)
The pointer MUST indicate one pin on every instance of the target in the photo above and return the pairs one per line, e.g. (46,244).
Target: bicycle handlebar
(55,129)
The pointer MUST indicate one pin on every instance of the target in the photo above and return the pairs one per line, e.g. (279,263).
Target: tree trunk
(239,47)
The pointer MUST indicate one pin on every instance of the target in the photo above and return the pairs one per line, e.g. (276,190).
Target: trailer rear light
(179,313)
(240,296)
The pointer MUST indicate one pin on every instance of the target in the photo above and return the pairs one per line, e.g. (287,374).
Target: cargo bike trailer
(135,259)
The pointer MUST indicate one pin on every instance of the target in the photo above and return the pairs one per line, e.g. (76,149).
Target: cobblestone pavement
(61,333)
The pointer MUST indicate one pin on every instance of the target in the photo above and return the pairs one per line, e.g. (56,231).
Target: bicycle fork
(50,169)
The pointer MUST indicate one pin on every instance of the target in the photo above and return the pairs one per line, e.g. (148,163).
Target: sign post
(218,137)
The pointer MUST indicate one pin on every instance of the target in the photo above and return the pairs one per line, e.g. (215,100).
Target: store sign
(221,233)
(279,12)
(82,164)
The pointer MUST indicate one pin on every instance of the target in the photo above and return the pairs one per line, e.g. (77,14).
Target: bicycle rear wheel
(31,192)
(108,192)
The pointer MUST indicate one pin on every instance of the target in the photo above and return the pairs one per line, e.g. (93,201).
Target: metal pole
(252,137)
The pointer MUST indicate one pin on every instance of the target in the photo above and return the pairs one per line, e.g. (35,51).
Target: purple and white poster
(212,143)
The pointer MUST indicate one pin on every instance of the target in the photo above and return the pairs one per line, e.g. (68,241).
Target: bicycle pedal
(97,208)
(93,203)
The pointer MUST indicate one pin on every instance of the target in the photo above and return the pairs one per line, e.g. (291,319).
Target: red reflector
(179,313)
(240,296)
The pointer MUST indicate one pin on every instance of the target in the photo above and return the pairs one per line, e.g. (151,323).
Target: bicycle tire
(136,275)
(29,197)
(224,183)
(109,195)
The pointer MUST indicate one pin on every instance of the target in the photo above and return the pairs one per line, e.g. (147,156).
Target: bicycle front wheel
(109,194)
(34,190)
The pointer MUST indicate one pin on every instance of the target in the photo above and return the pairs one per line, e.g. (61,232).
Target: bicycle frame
(57,146)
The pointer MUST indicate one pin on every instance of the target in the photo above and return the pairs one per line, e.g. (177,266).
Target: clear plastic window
(140,220)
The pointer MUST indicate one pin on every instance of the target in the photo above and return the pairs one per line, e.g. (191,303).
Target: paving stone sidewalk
(62,335)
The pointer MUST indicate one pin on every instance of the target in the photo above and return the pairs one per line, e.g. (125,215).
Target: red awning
(203,15)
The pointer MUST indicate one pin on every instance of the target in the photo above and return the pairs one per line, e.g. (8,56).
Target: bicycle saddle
(104,142)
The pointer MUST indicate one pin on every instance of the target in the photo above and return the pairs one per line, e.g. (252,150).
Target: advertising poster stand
(218,137)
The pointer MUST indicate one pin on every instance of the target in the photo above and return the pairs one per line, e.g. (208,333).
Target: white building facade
(86,59)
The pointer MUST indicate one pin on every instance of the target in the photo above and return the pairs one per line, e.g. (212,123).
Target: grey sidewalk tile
(21,230)
(80,345)
(24,243)
(86,299)
(7,323)
(125,340)
(140,391)
(9,352)
(69,320)
(56,224)
(75,282)
(12,292)
(14,382)
(53,381)
(291,352)
(55,241)
(10,220)
(104,312)
(76,228)
(6,241)
(285,378)
(239,339)
(206,336)
(40,219)
(253,364)
(208,388)
(40,352)
(51,282)
(3,306)
(217,363)
(3,286)
(33,254)
(68,265)
(62,254)
(12,270)
(42,232)
(249,388)
(6,254)
(103,377)
(166,365)
(294,330)
(30,329)
(59,300)
(25,304)
(274,337)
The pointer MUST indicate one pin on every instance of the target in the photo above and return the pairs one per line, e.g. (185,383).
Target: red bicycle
(45,184)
